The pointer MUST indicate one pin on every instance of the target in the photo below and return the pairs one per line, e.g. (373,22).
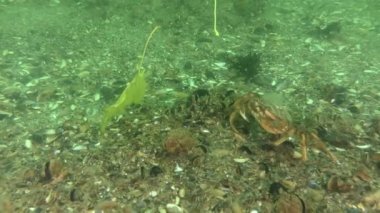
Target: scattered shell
(340,149)
(241,160)
(220,66)
(178,168)
(153,193)
(50,132)
(182,193)
(289,185)
(309,101)
(173,208)
(289,203)
(28,143)
(205,131)
(308,40)
(336,184)
(369,71)
(366,146)
(363,175)
(297,155)
(97,97)
(55,172)
(78,147)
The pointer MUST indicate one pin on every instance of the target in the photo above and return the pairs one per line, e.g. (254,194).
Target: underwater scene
(189,106)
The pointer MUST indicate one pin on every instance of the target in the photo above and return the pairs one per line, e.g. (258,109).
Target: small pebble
(28,144)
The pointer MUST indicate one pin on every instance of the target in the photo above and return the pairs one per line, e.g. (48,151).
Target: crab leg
(303,147)
(322,147)
(232,122)
(283,138)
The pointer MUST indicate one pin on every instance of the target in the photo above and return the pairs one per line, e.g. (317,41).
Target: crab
(251,105)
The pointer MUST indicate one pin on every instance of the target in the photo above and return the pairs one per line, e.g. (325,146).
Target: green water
(63,62)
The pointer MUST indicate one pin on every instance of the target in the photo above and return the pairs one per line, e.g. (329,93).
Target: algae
(132,94)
